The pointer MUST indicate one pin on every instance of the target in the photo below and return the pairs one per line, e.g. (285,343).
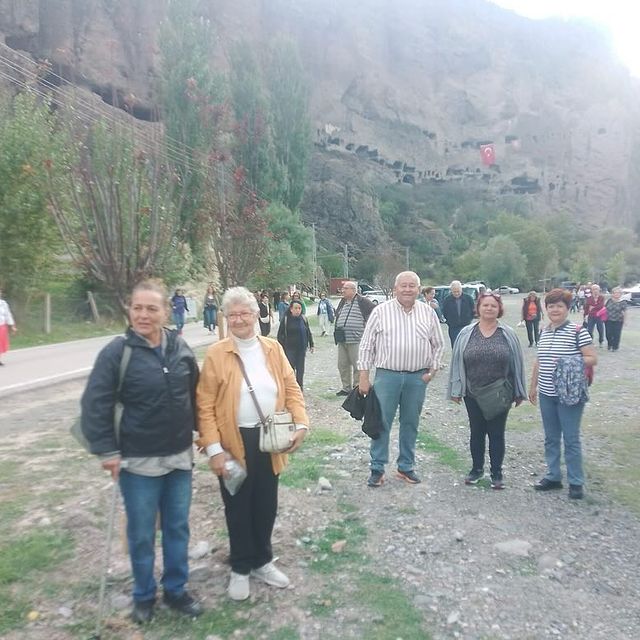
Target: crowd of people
(391,351)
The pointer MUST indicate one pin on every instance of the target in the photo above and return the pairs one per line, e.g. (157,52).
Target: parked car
(632,295)
(376,295)
(506,290)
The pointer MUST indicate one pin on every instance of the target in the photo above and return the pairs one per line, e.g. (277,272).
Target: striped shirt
(351,320)
(400,341)
(558,343)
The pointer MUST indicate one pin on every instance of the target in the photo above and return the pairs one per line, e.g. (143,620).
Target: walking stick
(107,559)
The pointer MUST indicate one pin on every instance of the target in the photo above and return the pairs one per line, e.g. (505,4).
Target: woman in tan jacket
(228,425)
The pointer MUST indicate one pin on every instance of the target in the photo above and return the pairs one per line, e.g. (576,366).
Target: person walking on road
(6,322)
(531,316)
(616,309)
(265,315)
(403,341)
(210,308)
(351,317)
(295,337)
(152,455)
(457,310)
(326,314)
(178,308)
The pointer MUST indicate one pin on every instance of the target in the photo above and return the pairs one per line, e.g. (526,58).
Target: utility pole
(407,255)
(314,258)
(345,261)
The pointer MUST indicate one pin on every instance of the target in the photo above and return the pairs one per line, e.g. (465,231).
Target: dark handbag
(339,333)
(494,398)
(277,430)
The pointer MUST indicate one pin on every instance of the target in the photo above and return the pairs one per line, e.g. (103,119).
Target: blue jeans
(210,317)
(405,390)
(599,325)
(561,421)
(178,320)
(144,497)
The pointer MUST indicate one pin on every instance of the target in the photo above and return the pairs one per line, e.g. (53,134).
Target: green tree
(502,262)
(289,98)
(581,269)
(114,207)
(29,239)
(187,88)
(617,269)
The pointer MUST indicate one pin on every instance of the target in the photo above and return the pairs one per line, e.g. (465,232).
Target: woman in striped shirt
(561,339)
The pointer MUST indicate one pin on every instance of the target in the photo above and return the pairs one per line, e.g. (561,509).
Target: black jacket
(367,407)
(158,395)
(289,338)
(450,311)
(365,305)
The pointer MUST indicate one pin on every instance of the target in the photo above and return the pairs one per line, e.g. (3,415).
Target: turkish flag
(488,154)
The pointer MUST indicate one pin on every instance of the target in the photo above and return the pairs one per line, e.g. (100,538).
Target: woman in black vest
(295,337)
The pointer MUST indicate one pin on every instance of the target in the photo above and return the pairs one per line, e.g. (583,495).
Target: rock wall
(401,91)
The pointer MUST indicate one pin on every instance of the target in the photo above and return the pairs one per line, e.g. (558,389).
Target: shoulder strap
(117,416)
(251,390)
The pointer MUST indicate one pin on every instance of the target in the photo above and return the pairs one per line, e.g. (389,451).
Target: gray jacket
(457,387)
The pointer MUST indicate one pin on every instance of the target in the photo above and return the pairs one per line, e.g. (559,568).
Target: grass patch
(12,612)
(285,633)
(302,471)
(444,454)
(38,551)
(325,437)
(349,529)
(395,615)
(10,513)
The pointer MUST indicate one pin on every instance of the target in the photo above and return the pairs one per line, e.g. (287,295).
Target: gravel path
(470,562)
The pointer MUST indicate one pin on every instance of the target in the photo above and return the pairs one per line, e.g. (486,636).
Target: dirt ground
(437,560)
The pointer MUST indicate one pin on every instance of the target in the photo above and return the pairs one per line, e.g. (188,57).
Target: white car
(375,295)
(504,290)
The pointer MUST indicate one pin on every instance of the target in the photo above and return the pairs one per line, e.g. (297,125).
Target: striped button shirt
(400,341)
(558,343)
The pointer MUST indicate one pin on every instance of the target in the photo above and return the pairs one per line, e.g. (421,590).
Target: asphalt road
(38,367)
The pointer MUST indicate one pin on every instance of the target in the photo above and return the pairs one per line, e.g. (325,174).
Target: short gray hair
(456,284)
(351,284)
(402,274)
(239,295)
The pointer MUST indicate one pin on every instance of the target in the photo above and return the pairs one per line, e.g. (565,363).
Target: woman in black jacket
(151,455)
(295,337)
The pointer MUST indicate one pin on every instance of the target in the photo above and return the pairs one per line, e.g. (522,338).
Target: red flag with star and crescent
(488,154)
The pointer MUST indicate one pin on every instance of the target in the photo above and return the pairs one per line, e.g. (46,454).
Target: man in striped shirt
(404,342)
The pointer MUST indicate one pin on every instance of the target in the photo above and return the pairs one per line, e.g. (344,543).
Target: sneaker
(576,492)
(473,476)
(142,612)
(409,476)
(547,485)
(271,575)
(238,588)
(183,603)
(376,479)
(497,483)
(342,392)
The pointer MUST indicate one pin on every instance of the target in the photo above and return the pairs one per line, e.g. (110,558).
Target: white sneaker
(238,586)
(271,576)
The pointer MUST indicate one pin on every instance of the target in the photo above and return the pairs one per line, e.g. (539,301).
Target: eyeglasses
(243,315)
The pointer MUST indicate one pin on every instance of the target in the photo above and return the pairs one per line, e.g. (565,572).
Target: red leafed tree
(239,234)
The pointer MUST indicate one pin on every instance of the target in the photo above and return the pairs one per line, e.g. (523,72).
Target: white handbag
(276,431)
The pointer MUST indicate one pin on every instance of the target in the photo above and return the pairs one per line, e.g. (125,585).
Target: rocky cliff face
(401,91)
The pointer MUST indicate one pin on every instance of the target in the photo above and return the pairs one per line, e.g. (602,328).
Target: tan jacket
(218,396)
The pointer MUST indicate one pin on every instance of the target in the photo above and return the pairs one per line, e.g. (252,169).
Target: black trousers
(265,328)
(614,330)
(533,331)
(251,513)
(479,430)
(453,333)
(296,359)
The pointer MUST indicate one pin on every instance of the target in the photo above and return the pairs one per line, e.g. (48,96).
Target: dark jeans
(251,513)
(479,430)
(178,320)
(144,497)
(296,359)
(210,318)
(453,333)
(533,331)
(614,330)
(265,328)
(596,322)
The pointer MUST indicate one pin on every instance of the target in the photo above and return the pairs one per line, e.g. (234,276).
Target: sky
(620,17)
